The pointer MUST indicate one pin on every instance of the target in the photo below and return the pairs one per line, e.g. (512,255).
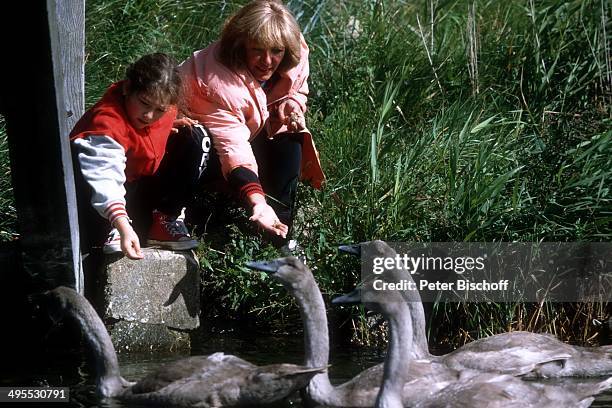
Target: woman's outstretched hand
(290,113)
(265,216)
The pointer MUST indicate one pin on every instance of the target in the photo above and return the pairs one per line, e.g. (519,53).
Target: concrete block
(130,337)
(163,288)
(148,304)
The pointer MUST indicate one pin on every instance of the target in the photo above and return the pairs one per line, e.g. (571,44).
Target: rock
(129,337)
(153,296)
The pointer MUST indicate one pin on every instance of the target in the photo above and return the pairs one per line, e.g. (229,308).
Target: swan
(518,353)
(475,391)
(204,381)
(506,391)
(424,377)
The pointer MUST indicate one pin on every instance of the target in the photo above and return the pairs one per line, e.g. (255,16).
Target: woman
(250,90)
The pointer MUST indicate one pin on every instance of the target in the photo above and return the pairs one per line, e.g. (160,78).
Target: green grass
(483,123)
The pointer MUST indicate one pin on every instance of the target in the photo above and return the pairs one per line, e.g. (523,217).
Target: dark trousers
(278,161)
(168,190)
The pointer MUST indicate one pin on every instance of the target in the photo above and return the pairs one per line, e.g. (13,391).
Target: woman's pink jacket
(235,108)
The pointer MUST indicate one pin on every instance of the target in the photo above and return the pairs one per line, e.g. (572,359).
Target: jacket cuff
(115,211)
(245,182)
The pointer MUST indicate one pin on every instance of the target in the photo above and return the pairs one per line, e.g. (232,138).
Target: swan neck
(397,361)
(420,343)
(316,334)
(98,342)
(417,316)
(316,337)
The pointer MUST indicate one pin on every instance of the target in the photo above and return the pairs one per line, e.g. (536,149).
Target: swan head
(397,279)
(351,249)
(375,248)
(377,287)
(378,294)
(289,271)
(56,302)
(112,386)
(66,303)
(352,298)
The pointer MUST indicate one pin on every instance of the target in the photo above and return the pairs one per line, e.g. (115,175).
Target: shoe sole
(174,245)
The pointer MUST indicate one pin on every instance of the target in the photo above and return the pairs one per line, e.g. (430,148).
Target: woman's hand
(290,114)
(265,216)
(182,121)
(130,244)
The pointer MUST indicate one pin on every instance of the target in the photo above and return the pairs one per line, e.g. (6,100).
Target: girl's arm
(102,161)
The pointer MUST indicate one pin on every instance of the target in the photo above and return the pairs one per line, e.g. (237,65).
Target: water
(68,369)
(345,361)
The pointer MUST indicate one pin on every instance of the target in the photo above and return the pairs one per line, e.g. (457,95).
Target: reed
(436,121)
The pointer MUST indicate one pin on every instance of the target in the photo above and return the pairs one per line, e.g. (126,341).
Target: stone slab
(161,289)
(130,337)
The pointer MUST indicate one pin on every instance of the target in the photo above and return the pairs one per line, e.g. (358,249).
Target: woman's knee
(191,146)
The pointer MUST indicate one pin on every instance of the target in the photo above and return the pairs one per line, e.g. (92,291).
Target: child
(131,170)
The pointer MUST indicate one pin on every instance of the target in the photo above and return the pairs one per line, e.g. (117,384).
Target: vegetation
(436,120)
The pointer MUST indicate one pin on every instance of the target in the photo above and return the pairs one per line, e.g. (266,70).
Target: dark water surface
(68,370)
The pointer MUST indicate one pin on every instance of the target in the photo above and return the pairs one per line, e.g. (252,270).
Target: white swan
(515,353)
(217,380)
(480,391)
(360,391)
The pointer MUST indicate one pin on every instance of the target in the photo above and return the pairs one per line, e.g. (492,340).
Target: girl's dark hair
(156,76)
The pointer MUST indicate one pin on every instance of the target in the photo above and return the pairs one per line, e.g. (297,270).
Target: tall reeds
(436,121)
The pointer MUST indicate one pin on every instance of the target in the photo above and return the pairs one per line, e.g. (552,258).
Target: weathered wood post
(41,98)
(71,30)
(45,42)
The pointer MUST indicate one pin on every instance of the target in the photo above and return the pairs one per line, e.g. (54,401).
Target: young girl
(131,171)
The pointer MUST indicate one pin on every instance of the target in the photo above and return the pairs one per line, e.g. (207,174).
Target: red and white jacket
(111,151)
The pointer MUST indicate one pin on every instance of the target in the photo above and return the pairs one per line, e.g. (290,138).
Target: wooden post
(71,30)
(34,105)
(67,29)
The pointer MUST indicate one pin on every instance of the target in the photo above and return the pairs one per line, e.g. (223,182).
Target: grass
(436,121)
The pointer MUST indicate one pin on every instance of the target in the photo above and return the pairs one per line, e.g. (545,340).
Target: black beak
(352,249)
(351,298)
(268,267)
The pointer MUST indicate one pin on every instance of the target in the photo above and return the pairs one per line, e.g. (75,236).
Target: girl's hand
(130,244)
(265,216)
(182,121)
(290,113)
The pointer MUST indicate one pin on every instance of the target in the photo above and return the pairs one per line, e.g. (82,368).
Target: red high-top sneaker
(170,233)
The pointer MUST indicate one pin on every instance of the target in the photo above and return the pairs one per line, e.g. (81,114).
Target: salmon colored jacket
(235,108)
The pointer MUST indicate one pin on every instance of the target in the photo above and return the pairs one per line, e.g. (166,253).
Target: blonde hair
(265,22)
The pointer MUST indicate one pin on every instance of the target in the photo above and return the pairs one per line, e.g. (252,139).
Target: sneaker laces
(113,235)
(175,227)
